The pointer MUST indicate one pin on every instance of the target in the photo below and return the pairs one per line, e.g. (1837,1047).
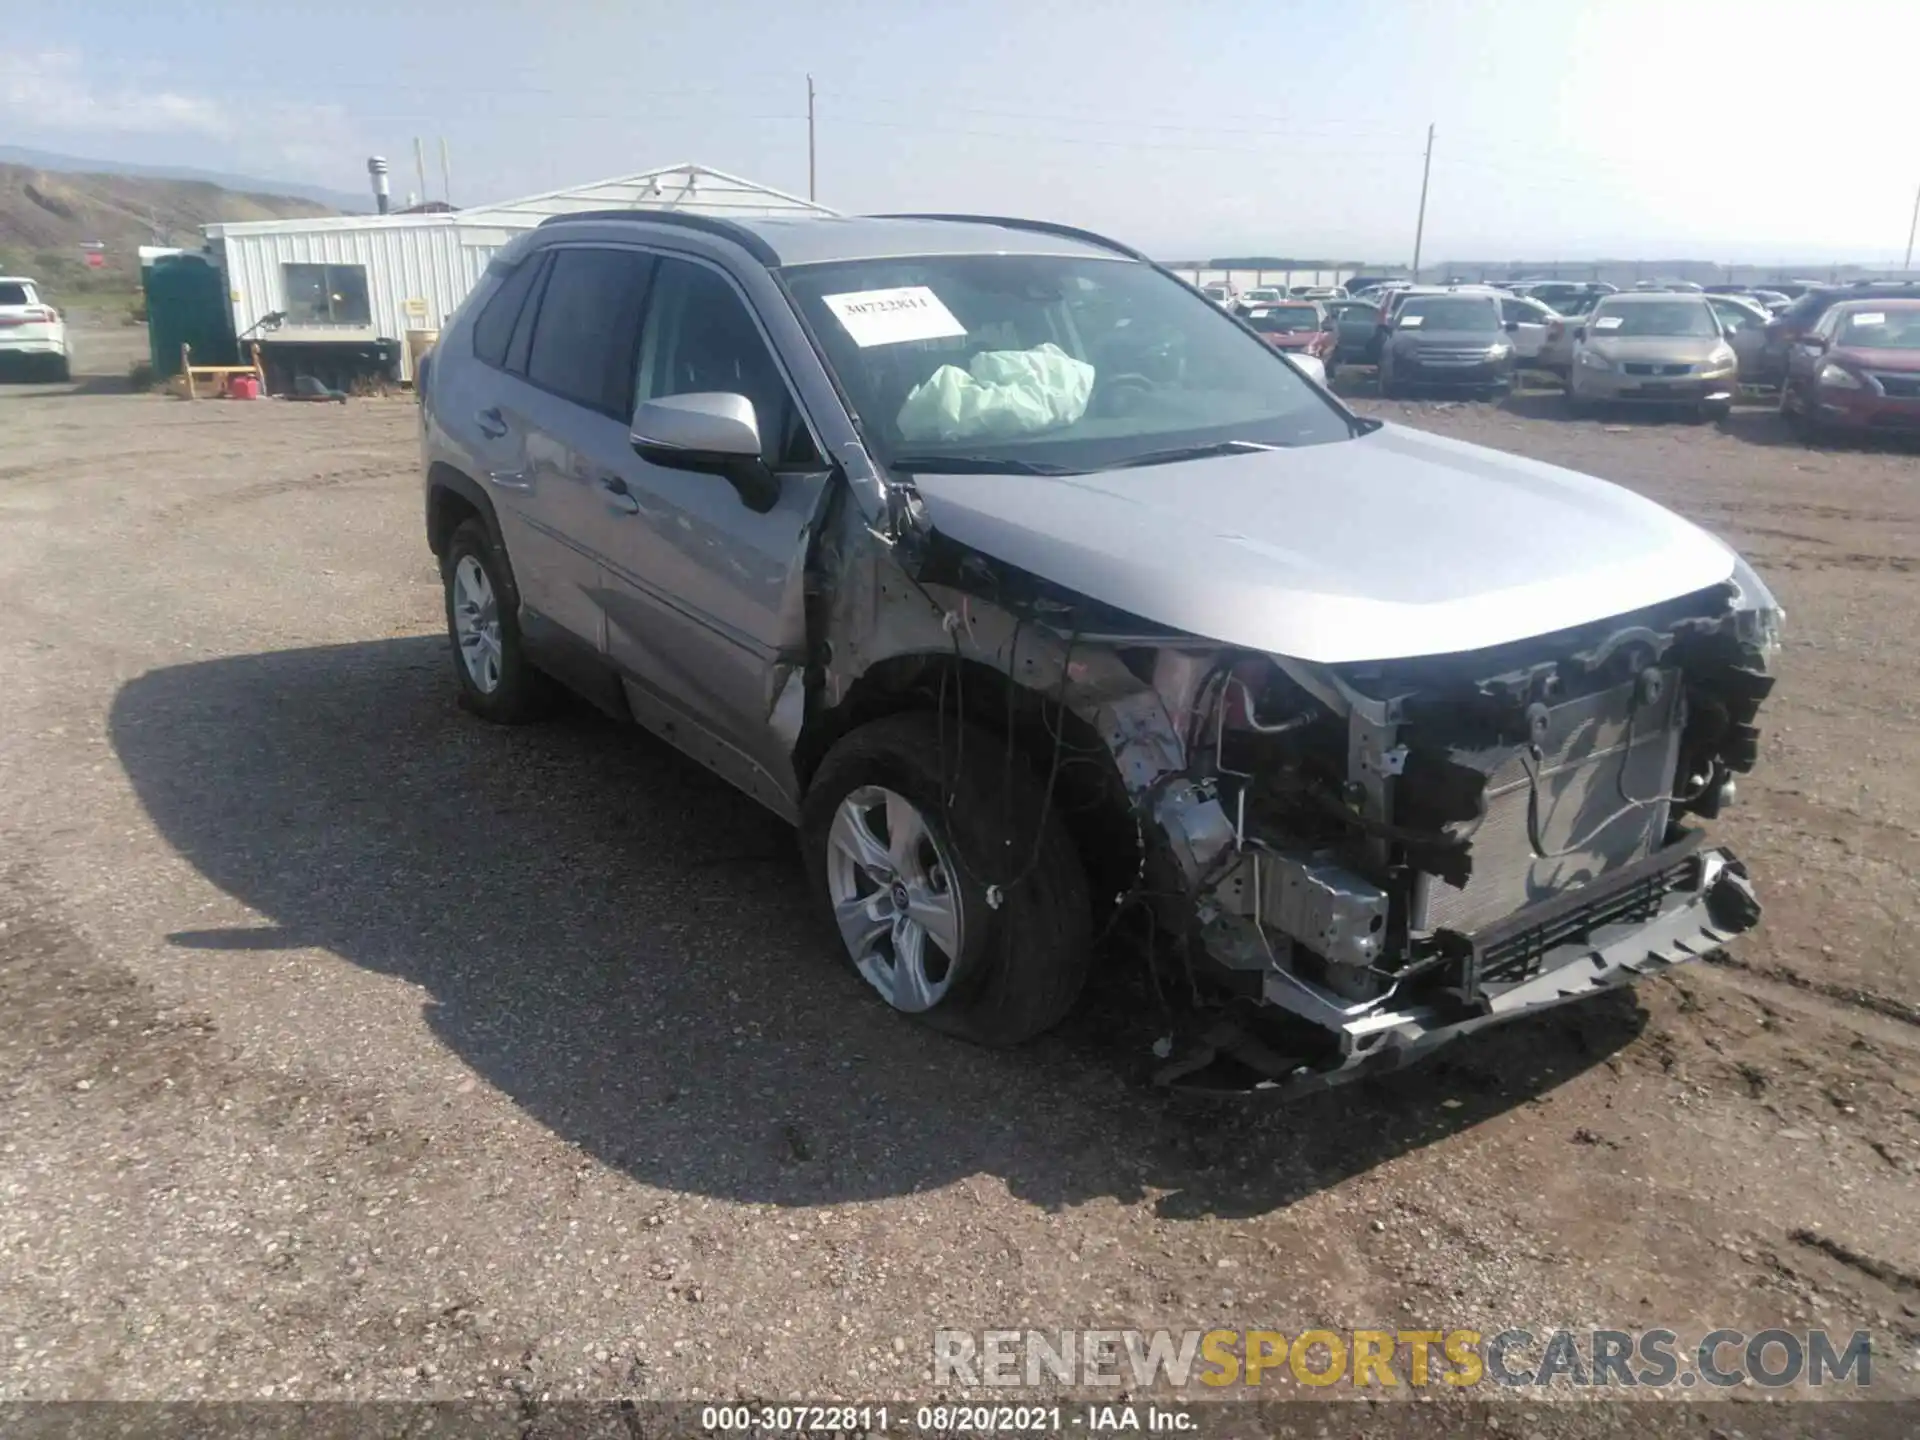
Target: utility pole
(809,137)
(1913,229)
(420,165)
(1420,227)
(446,173)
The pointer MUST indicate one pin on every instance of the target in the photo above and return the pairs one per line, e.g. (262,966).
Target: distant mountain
(47,216)
(335,201)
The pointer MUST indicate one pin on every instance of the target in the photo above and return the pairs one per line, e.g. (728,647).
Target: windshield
(1691,318)
(14,294)
(1259,296)
(1882,330)
(1285,319)
(1450,312)
(1078,362)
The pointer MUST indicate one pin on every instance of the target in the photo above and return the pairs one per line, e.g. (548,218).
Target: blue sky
(1567,128)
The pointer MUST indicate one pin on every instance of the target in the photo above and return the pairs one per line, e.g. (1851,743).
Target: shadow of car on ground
(624,946)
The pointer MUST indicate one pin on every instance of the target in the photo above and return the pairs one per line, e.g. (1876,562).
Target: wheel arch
(454,497)
(1088,791)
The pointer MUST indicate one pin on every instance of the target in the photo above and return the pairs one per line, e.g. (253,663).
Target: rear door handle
(619,497)
(492,423)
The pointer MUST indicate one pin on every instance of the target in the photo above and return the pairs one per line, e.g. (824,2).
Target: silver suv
(1049,603)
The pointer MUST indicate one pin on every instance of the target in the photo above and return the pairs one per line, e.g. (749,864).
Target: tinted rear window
(11,294)
(494,328)
(587,333)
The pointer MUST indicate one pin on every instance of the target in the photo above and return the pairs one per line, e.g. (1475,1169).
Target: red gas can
(243,387)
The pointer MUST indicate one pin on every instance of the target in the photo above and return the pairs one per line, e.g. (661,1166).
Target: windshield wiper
(977,465)
(1191,452)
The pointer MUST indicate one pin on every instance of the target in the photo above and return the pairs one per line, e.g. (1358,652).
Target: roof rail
(1043,227)
(711,224)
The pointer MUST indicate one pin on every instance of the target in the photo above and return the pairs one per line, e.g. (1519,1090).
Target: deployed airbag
(1001,393)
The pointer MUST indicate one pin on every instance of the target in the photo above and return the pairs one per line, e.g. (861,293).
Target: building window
(326,294)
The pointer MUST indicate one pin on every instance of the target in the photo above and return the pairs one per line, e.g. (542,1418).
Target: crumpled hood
(1393,545)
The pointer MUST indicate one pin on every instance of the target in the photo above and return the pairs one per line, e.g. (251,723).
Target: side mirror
(713,432)
(1513,327)
(1580,333)
(1815,343)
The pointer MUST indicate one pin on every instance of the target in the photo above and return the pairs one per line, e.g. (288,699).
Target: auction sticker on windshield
(1877,318)
(893,317)
(1609,322)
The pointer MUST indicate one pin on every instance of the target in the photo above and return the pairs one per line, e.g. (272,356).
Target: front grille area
(1640,367)
(1600,751)
(1451,355)
(1517,957)
(1900,387)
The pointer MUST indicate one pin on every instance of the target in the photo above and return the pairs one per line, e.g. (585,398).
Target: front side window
(1079,362)
(1689,318)
(587,327)
(700,337)
(13,293)
(326,294)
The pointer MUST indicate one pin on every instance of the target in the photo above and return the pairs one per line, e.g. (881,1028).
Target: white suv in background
(31,331)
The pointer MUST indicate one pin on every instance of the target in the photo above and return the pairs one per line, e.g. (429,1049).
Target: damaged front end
(1354,862)
(1415,849)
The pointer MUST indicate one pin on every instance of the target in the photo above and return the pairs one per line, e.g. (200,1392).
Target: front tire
(951,881)
(497,681)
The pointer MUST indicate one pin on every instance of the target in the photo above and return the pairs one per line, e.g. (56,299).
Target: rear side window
(494,328)
(12,294)
(588,326)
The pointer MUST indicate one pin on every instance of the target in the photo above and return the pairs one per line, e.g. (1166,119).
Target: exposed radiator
(1587,773)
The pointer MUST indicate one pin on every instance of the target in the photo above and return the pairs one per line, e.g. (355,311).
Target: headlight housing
(1499,350)
(1720,361)
(1838,377)
(1594,360)
(1761,620)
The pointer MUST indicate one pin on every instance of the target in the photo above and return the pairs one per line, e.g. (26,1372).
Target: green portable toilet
(187,305)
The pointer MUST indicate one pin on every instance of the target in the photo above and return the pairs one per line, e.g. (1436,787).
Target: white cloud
(51,90)
(57,97)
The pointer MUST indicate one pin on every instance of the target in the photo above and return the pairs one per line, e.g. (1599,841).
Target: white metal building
(359,278)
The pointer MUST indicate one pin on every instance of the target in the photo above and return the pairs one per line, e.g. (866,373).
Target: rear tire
(988,831)
(62,368)
(497,681)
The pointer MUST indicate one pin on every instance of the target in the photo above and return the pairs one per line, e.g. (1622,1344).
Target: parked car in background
(1557,293)
(1798,319)
(1260,295)
(1556,348)
(1357,283)
(1527,321)
(1219,293)
(781,491)
(1299,327)
(1671,287)
(1661,348)
(1324,292)
(1744,323)
(33,336)
(1447,339)
(1357,326)
(1772,301)
(1858,369)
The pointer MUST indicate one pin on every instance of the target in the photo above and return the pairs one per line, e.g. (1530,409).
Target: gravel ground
(357,1049)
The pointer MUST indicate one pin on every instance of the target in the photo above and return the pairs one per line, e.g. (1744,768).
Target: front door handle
(618,496)
(492,423)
